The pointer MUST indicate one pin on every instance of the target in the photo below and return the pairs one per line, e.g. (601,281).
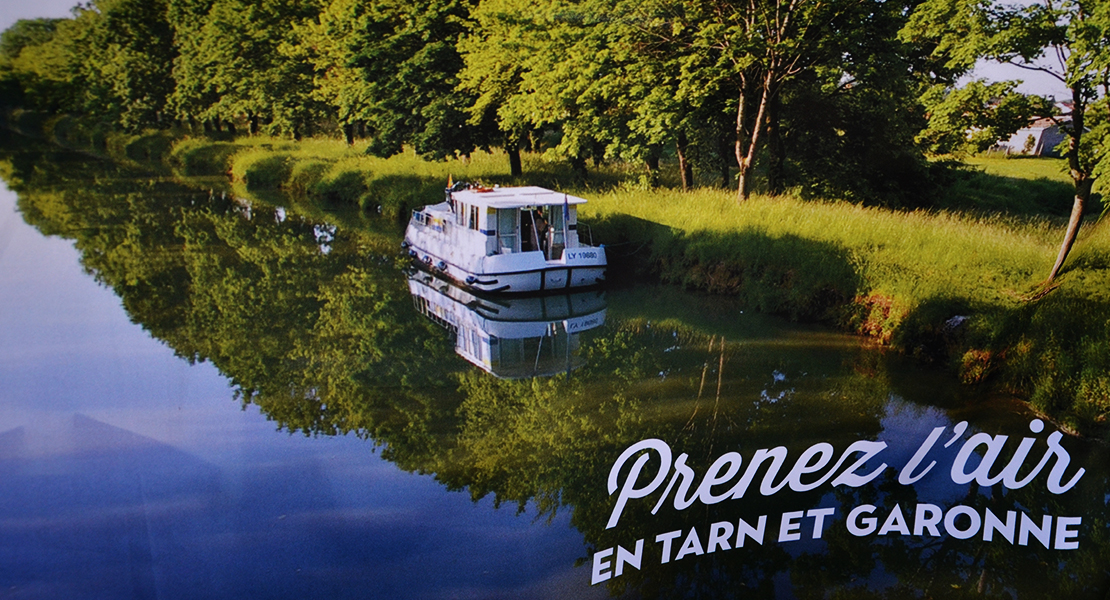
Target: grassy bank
(942,286)
(956,286)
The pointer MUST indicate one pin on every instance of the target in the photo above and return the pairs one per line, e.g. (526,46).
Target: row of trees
(836,97)
(718,83)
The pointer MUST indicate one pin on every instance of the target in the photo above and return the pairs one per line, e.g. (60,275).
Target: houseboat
(511,337)
(505,240)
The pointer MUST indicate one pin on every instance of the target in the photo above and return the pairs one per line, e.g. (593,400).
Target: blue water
(126,472)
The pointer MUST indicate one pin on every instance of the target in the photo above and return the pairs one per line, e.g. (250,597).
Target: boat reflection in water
(511,338)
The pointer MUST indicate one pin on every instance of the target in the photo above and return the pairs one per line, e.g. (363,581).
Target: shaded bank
(939,286)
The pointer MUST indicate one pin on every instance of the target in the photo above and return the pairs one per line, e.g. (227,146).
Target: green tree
(758,47)
(844,127)
(240,62)
(125,52)
(393,66)
(194,90)
(549,67)
(24,33)
(492,73)
(974,117)
(624,79)
(1068,40)
(37,66)
(664,82)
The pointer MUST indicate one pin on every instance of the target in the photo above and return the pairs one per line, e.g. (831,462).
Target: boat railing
(589,231)
(424,219)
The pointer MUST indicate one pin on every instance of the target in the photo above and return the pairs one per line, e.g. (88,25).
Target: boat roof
(515,197)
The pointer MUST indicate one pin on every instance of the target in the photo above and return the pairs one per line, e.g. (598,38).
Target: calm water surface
(209,397)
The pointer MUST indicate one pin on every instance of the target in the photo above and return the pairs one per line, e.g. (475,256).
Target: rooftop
(513,197)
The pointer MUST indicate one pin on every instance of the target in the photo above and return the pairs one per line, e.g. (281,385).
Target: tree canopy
(1068,40)
(831,97)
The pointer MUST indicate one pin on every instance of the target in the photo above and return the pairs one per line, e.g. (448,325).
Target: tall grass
(909,256)
(941,285)
(331,171)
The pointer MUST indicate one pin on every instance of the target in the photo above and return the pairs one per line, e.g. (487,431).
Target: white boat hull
(520,272)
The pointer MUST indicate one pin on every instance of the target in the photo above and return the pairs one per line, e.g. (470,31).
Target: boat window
(506,230)
(473,217)
(555,240)
(557,221)
(460,214)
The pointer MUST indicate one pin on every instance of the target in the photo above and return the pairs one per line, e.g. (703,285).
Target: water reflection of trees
(314,325)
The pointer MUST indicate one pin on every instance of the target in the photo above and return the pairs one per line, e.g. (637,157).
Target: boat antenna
(566,224)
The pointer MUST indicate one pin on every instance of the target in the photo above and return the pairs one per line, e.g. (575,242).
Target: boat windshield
(507,230)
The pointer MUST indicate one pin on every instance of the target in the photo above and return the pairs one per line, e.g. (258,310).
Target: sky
(14,10)
(1033,83)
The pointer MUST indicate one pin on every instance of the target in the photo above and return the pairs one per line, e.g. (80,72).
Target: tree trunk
(578,167)
(652,164)
(739,140)
(685,169)
(597,150)
(512,148)
(349,133)
(253,119)
(1082,192)
(743,183)
(775,149)
(1080,176)
(725,154)
(746,143)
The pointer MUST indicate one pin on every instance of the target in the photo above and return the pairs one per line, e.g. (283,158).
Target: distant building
(1039,138)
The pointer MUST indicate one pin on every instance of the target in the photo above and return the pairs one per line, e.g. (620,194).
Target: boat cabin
(508,220)
(513,239)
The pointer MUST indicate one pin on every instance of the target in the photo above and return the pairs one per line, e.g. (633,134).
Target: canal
(220,397)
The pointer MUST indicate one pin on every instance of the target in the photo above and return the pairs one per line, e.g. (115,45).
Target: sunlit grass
(911,256)
(1054,169)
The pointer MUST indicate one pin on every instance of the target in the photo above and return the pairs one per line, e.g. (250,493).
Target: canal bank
(956,288)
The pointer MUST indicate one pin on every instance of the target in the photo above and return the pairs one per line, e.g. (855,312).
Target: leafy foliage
(1073,37)
(823,97)
(392,65)
(973,118)
(236,61)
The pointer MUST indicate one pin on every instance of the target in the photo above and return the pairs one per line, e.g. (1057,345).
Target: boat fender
(442,266)
(412,253)
(427,260)
(470,279)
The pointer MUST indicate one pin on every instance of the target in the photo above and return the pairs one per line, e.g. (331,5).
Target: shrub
(193,157)
(260,169)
